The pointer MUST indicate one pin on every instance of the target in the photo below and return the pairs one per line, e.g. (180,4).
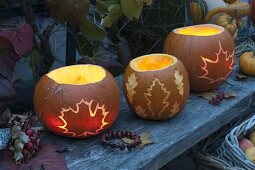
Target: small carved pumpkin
(77,101)
(228,22)
(207,52)
(247,63)
(156,86)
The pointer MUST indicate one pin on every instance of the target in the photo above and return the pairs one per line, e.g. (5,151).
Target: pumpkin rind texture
(198,11)
(156,94)
(77,111)
(247,63)
(208,55)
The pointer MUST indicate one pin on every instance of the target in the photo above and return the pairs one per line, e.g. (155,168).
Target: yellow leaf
(178,79)
(208,95)
(145,139)
(229,95)
(131,85)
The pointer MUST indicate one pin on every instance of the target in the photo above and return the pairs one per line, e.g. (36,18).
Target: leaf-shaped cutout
(178,79)
(131,85)
(154,105)
(94,115)
(176,108)
(223,58)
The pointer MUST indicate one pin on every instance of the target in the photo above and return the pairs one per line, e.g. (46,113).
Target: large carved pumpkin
(77,101)
(252,15)
(156,86)
(207,51)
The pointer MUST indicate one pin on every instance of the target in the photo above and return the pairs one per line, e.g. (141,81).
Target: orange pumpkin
(77,101)
(207,51)
(156,86)
(247,63)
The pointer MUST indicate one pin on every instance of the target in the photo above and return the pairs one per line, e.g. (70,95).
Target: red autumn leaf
(90,123)
(46,158)
(20,40)
(224,61)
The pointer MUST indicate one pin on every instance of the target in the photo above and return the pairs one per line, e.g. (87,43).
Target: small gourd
(198,11)
(228,22)
(247,63)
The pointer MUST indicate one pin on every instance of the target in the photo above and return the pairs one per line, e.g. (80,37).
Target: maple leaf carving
(131,85)
(175,109)
(178,79)
(223,59)
(140,111)
(88,124)
(155,92)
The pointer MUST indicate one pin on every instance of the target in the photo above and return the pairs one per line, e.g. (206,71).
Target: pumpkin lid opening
(200,30)
(77,74)
(152,62)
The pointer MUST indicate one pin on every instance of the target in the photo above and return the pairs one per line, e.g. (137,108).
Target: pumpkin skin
(77,110)
(247,63)
(207,51)
(156,93)
(198,11)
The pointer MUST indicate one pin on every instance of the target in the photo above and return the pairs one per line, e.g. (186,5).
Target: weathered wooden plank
(172,137)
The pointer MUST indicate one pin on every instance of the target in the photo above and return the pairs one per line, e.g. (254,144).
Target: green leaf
(84,46)
(35,60)
(114,14)
(102,6)
(131,8)
(68,10)
(91,30)
(147,2)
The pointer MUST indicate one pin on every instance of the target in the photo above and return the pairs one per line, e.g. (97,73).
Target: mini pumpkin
(156,86)
(247,63)
(228,22)
(207,51)
(73,101)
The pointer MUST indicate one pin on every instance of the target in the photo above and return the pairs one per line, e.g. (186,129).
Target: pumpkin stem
(235,14)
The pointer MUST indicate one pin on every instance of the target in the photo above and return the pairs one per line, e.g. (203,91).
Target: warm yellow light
(199,30)
(77,74)
(152,62)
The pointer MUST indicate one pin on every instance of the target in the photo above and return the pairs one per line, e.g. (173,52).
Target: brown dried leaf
(240,77)
(230,95)
(46,157)
(145,139)
(208,95)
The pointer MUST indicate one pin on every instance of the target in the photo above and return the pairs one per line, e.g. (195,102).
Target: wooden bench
(198,120)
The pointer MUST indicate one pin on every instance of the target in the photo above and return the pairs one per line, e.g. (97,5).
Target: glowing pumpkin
(77,101)
(207,51)
(156,86)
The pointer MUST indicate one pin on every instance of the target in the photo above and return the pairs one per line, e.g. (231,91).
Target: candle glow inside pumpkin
(77,74)
(199,30)
(152,62)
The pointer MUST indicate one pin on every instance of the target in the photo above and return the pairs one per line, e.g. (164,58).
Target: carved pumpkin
(77,101)
(247,63)
(156,86)
(207,51)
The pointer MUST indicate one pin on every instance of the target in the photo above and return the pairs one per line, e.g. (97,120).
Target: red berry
(33,139)
(29,146)
(24,152)
(29,132)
